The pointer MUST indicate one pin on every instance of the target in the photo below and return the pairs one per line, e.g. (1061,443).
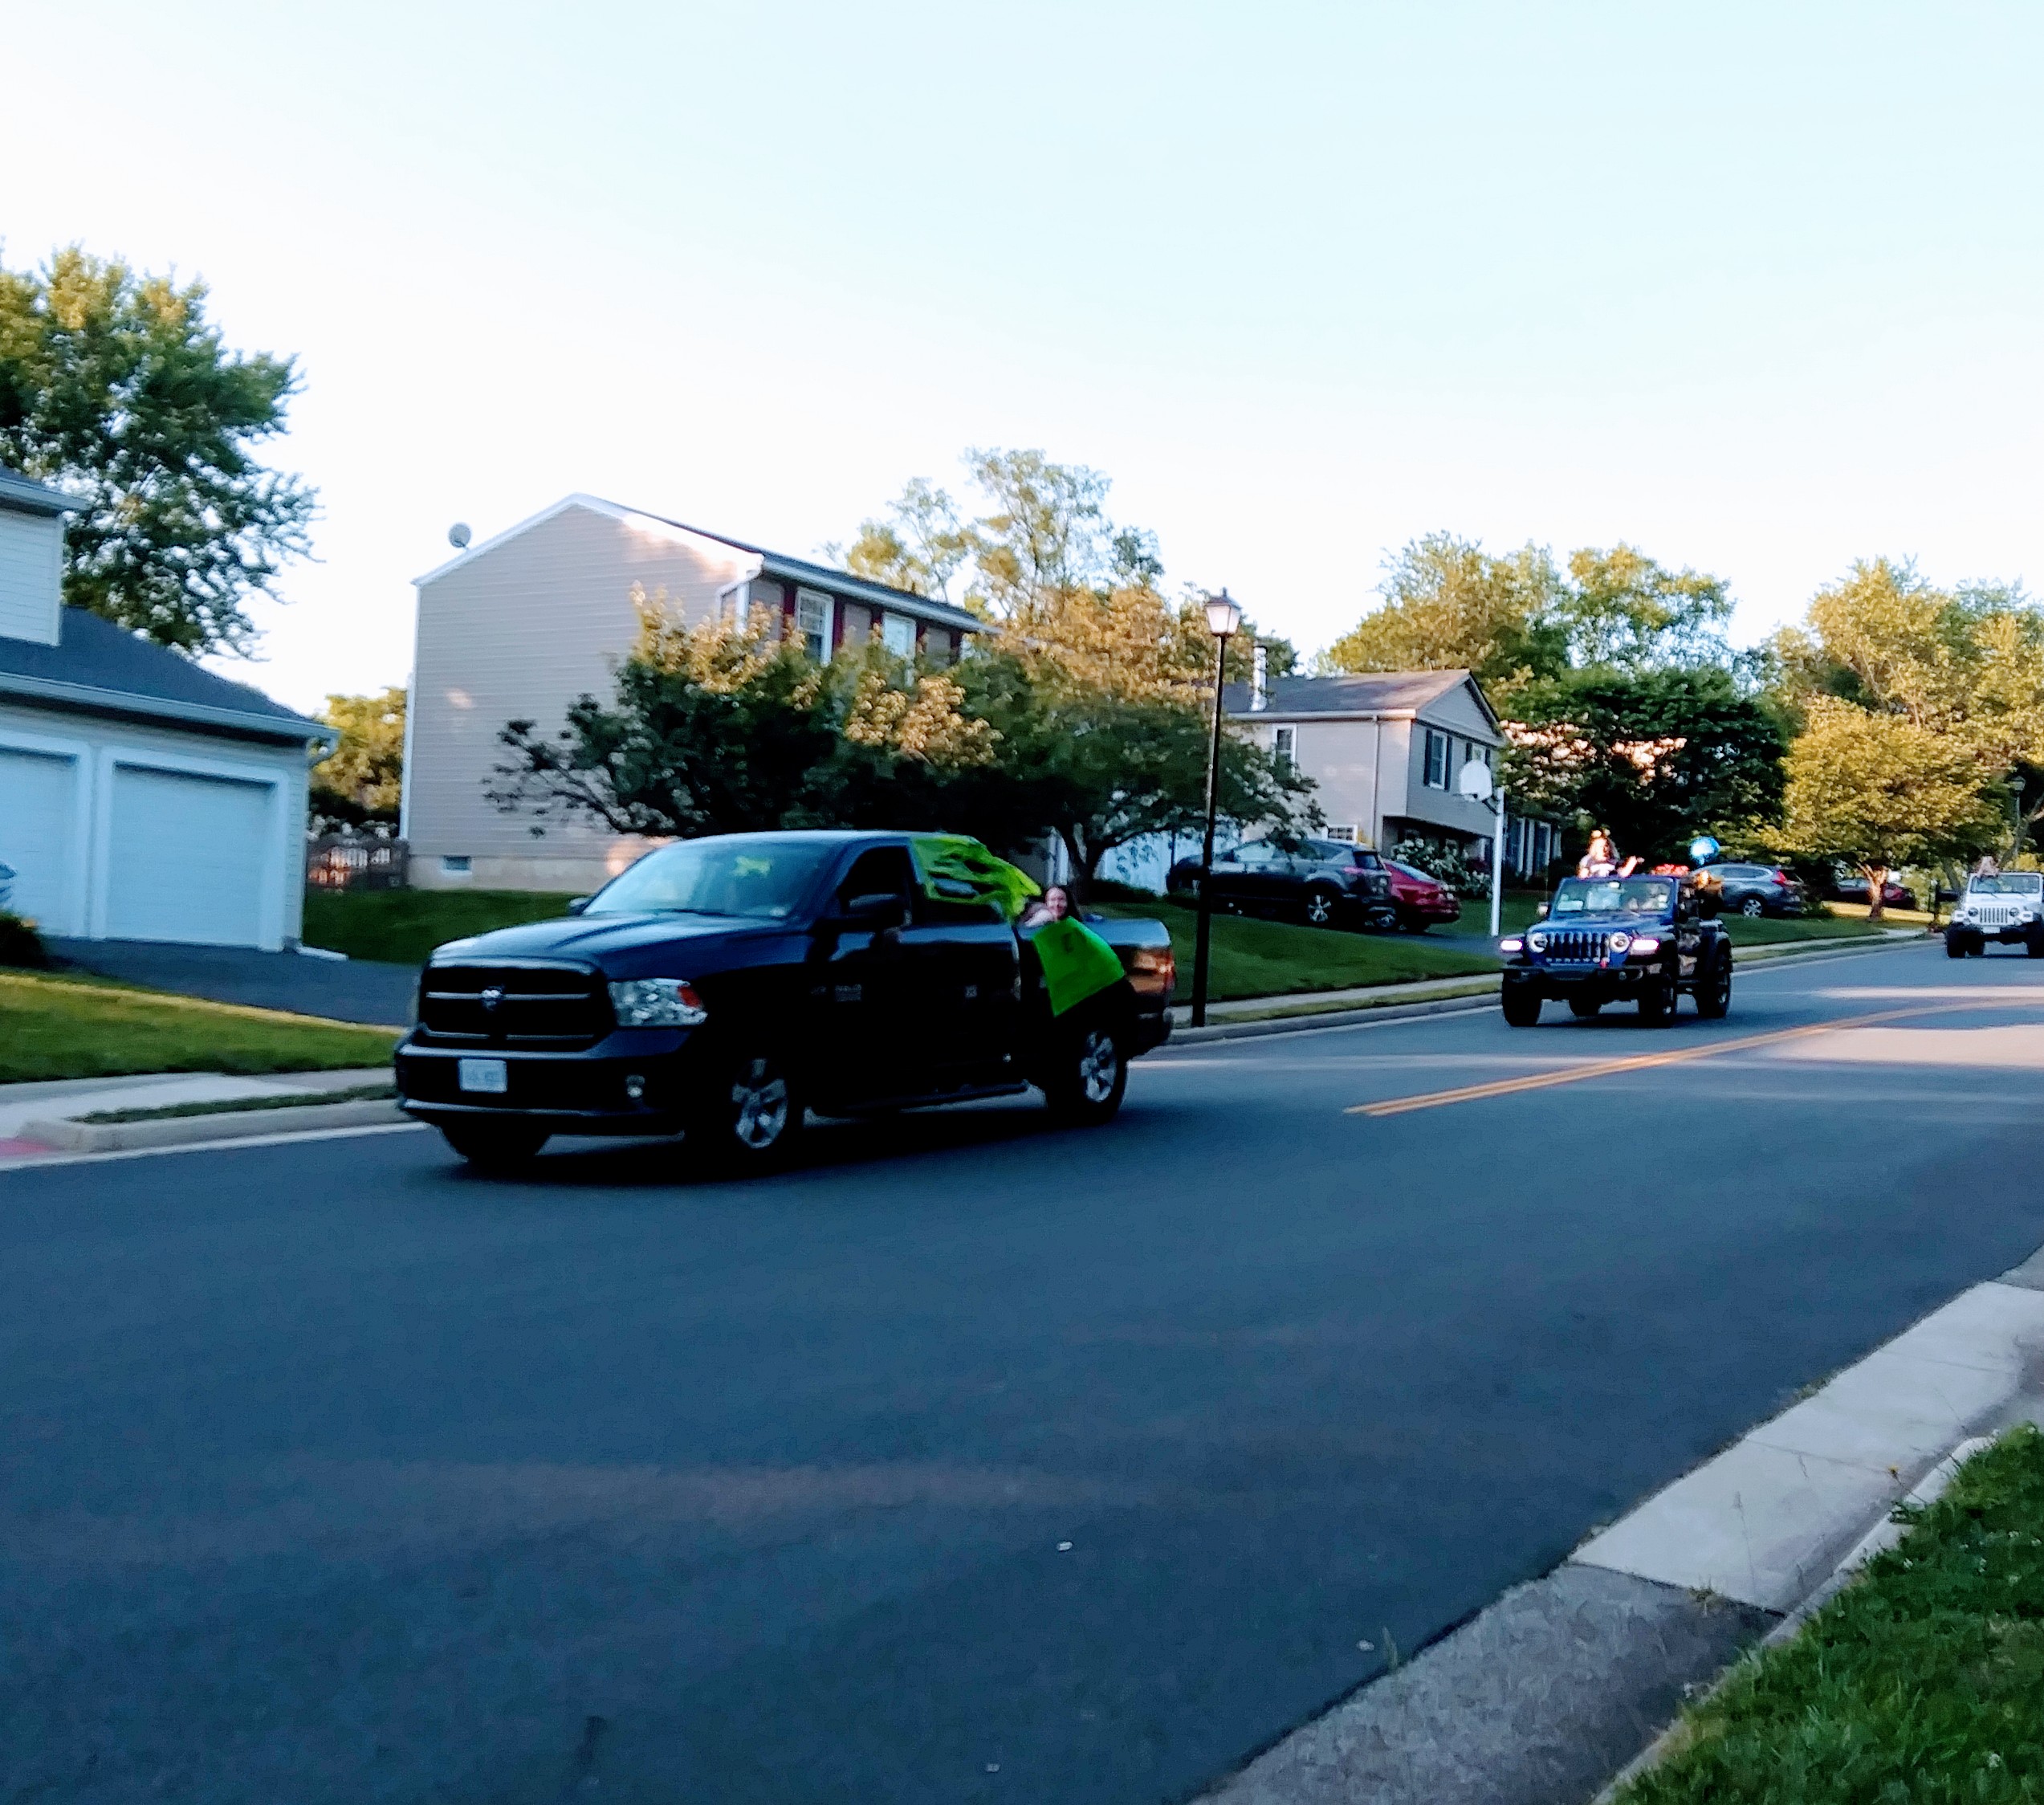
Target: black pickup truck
(722,986)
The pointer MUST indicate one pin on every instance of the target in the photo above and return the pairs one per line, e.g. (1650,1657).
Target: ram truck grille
(544,1007)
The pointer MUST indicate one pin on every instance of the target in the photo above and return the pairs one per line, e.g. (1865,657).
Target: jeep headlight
(1537,942)
(1619,940)
(1644,945)
(656,1002)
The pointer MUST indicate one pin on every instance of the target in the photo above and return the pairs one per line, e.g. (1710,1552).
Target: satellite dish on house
(1474,780)
(458,535)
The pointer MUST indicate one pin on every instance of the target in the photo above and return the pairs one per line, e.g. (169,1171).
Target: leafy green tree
(1655,757)
(1880,791)
(917,544)
(1450,606)
(117,388)
(714,730)
(1962,669)
(361,782)
(1621,611)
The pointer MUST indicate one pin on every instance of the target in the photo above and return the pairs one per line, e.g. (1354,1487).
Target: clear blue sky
(1755,286)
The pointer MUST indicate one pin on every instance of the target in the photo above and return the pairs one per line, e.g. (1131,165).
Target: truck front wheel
(494,1147)
(1089,1075)
(1657,1004)
(752,1118)
(1521,1006)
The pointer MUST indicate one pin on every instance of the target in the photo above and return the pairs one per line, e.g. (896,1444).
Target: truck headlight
(1620,940)
(1512,943)
(1537,942)
(1643,945)
(656,1002)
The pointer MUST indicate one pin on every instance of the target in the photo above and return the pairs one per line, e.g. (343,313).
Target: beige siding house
(1384,750)
(515,627)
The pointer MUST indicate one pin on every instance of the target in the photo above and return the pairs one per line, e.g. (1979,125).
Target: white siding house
(141,797)
(1384,750)
(515,628)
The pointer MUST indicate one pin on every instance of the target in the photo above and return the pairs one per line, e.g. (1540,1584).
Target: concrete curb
(1304,1019)
(1568,1684)
(216,1125)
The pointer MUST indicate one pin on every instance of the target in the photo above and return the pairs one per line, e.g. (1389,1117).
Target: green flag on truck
(1076,962)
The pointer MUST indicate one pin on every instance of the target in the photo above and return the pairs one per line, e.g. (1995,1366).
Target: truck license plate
(485,1075)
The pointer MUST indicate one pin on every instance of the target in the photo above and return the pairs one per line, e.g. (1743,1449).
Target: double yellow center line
(1646,1061)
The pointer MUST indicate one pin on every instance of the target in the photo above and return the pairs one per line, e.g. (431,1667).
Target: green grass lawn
(1274,959)
(64,1028)
(1922,1682)
(401,926)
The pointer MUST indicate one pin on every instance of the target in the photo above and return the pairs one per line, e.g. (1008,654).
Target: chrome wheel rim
(1318,910)
(760,1099)
(1754,907)
(1099,1062)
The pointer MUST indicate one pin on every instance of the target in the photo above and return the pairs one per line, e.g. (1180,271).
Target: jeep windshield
(756,878)
(1613,896)
(2009,883)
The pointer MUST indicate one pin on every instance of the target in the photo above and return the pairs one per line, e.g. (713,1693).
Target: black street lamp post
(1223,618)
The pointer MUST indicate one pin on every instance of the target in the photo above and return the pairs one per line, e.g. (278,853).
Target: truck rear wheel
(1521,1006)
(1714,994)
(494,1147)
(1089,1075)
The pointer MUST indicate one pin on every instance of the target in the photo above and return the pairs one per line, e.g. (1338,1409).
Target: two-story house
(516,627)
(1384,750)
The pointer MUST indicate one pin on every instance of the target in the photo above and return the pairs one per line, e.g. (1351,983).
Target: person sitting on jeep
(1602,859)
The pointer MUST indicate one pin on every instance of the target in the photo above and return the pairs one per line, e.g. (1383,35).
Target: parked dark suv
(1326,882)
(1756,890)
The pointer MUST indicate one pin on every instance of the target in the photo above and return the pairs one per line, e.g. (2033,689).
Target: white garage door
(38,818)
(186,858)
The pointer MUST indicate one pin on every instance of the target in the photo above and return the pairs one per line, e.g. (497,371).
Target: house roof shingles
(105,669)
(1377,692)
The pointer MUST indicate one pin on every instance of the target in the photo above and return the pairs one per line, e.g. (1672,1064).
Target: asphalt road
(975,1460)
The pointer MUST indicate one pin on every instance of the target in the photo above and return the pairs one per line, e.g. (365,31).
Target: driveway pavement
(973,1460)
(345,990)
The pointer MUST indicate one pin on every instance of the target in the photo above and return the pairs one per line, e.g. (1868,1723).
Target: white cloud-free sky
(1756,286)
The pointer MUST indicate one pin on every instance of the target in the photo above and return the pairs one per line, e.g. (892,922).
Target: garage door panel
(187,858)
(38,825)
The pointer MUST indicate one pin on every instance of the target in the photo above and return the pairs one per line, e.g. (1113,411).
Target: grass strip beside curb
(225,1106)
(1923,1681)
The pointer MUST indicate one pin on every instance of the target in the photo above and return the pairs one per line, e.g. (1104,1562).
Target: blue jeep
(1639,939)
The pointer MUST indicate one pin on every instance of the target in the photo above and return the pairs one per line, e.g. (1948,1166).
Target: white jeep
(2009,906)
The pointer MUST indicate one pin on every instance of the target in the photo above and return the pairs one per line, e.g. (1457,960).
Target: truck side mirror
(577,904)
(1539,913)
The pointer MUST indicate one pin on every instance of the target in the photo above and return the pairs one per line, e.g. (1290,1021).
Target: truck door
(863,988)
(967,963)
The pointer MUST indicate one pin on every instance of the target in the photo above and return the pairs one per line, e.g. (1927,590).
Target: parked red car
(1420,900)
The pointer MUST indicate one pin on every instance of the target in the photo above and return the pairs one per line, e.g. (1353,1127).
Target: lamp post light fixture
(1224,621)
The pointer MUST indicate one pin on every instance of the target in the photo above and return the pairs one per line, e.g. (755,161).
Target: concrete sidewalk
(1547,1694)
(58,1103)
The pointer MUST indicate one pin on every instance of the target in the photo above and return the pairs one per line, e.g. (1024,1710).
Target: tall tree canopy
(1450,606)
(361,782)
(1921,718)
(116,388)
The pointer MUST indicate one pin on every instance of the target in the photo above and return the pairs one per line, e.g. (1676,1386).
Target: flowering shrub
(1445,864)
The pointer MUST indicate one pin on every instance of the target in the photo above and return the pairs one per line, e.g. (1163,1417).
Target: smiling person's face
(1057,901)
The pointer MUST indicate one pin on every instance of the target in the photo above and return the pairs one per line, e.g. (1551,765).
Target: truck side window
(882,871)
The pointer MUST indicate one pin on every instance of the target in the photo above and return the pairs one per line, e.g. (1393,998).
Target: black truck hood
(652,945)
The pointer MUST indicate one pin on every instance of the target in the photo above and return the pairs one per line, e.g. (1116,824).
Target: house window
(812,610)
(1284,746)
(1343,832)
(454,864)
(897,634)
(1435,776)
(731,606)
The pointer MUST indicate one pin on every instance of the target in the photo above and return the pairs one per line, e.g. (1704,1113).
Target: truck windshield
(1613,896)
(762,878)
(2009,883)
